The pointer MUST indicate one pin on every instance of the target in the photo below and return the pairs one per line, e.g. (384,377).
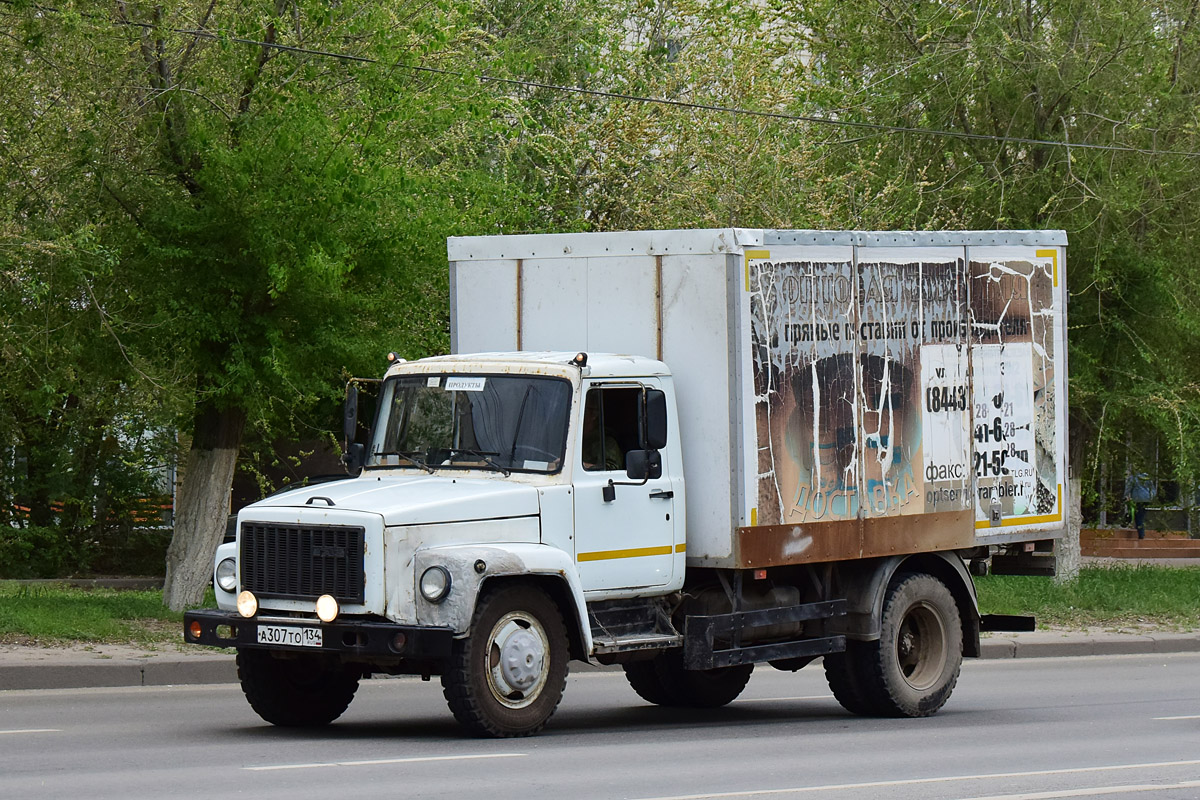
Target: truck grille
(302,562)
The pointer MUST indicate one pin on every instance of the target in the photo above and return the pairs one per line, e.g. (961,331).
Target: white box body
(841,394)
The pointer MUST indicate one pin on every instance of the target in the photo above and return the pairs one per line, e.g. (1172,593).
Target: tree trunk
(1066,549)
(202,505)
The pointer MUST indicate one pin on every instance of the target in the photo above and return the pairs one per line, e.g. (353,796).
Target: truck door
(625,537)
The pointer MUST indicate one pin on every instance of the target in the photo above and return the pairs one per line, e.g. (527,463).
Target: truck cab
(553,478)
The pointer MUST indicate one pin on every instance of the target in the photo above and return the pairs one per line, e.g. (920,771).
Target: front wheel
(507,677)
(300,691)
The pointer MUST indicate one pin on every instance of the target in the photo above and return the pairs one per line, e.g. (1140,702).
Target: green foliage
(646,165)
(193,224)
(35,552)
(56,552)
(1100,596)
(215,226)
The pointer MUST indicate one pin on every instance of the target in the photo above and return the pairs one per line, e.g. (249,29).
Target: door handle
(659,494)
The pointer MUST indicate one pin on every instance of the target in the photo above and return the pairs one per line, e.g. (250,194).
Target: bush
(48,552)
(36,552)
(140,552)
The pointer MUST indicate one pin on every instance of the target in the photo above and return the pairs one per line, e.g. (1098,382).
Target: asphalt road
(1110,726)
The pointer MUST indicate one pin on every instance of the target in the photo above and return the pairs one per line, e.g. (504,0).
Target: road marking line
(1092,791)
(1189,716)
(34,730)
(376,762)
(918,781)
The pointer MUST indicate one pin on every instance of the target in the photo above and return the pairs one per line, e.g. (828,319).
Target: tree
(680,163)
(75,405)
(270,213)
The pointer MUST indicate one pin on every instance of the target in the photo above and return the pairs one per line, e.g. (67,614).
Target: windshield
(500,422)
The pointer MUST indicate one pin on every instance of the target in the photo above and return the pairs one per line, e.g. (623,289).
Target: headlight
(227,574)
(435,584)
(247,604)
(327,608)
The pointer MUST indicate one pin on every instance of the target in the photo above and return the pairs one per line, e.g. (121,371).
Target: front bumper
(367,639)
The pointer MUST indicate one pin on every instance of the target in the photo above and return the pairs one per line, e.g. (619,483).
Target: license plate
(289,635)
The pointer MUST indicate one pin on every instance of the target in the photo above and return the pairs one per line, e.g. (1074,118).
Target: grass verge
(1118,597)
(60,614)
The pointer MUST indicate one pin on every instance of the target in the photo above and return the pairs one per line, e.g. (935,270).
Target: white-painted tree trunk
(202,507)
(1066,549)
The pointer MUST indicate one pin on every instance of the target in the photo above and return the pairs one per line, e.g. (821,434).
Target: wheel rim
(921,647)
(517,659)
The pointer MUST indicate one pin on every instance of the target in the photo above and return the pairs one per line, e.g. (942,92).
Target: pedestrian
(1139,490)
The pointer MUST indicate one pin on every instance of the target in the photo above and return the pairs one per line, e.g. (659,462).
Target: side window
(610,428)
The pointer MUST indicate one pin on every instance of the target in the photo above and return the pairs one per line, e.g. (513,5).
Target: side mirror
(350,416)
(355,457)
(643,465)
(655,415)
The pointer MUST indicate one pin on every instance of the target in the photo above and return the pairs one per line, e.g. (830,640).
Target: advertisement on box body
(899,382)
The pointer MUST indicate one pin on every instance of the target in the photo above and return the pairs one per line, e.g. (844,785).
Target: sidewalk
(24,667)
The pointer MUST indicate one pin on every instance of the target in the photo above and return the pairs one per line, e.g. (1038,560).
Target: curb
(77,673)
(1056,645)
(23,668)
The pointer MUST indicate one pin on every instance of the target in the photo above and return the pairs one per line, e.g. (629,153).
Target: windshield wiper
(512,453)
(483,455)
(416,462)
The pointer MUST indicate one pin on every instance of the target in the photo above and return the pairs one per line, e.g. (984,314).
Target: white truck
(683,452)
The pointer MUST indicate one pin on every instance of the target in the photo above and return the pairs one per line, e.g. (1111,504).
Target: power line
(216,36)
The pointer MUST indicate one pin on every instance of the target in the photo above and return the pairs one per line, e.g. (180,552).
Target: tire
(644,677)
(842,675)
(295,692)
(664,682)
(913,667)
(507,677)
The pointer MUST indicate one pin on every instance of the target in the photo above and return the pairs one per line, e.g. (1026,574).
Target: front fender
(471,565)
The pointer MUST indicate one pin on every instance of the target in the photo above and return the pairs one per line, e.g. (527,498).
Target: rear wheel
(913,667)
(664,681)
(644,677)
(842,674)
(508,676)
(301,690)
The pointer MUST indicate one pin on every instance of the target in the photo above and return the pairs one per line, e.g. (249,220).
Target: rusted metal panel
(816,542)
(947,530)
(776,545)
(904,381)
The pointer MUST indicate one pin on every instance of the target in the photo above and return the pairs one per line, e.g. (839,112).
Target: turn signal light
(194,630)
